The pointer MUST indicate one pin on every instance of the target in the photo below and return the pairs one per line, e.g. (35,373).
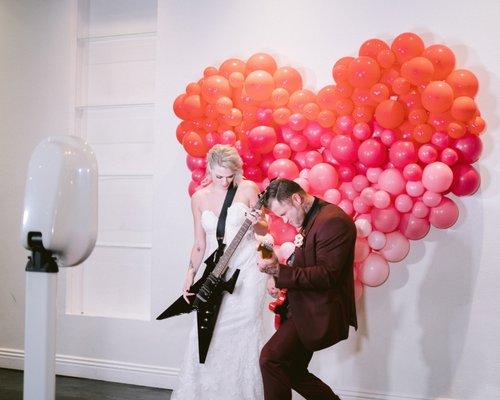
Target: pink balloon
(328,157)
(440,140)
(345,124)
(363,227)
(449,156)
(361,131)
(420,210)
(326,139)
(381,199)
(300,159)
(396,248)
(313,132)
(445,214)
(360,205)
(346,172)
(322,177)
(344,149)
(282,150)
(348,191)
(377,240)
(195,162)
(332,196)
(437,177)
(303,182)
(262,139)
(431,199)
(361,250)
(313,157)
(374,270)
(392,181)
(297,121)
(402,153)
(198,174)
(228,137)
(193,187)
(298,143)
(359,182)
(403,203)
(304,173)
(264,116)
(466,180)
(388,137)
(265,163)
(253,173)
(469,148)
(412,172)
(372,174)
(385,220)
(415,188)
(346,206)
(287,133)
(372,153)
(414,228)
(427,154)
(283,168)
(369,193)
(285,251)
(281,232)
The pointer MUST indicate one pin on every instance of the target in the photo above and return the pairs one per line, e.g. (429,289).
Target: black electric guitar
(210,288)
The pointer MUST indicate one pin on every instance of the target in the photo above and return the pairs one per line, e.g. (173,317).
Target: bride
(231,370)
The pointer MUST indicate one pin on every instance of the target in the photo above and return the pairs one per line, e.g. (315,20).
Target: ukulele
(278,306)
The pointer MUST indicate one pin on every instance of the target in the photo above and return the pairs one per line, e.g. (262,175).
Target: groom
(320,285)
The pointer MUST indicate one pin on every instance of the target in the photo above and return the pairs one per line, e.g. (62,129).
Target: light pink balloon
(372,174)
(363,227)
(372,153)
(414,228)
(431,199)
(262,139)
(283,168)
(304,173)
(377,240)
(412,172)
(381,199)
(361,250)
(360,205)
(388,137)
(282,150)
(403,203)
(415,188)
(368,194)
(437,177)
(346,205)
(396,248)
(297,121)
(303,182)
(386,220)
(313,132)
(374,270)
(420,210)
(345,124)
(361,131)
(332,196)
(344,149)
(322,177)
(392,181)
(359,182)
(445,214)
(348,191)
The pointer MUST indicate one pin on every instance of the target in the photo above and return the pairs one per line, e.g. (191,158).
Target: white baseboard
(104,370)
(149,375)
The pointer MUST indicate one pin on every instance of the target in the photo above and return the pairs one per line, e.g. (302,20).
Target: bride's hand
(188,282)
(271,287)
(254,215)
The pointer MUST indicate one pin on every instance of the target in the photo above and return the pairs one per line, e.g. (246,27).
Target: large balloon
(374,270)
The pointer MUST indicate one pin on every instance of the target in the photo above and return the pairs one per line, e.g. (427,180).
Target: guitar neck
(222,265)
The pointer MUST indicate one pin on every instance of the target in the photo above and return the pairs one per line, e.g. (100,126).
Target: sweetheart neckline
(216,216)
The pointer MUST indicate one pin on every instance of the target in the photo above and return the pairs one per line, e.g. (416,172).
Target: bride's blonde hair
(225,156)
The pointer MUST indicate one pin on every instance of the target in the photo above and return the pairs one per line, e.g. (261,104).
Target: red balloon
(402,153)
(283,168)
(469,148)
(344,149)
(282,150)
(262,139)
(281,232)
(372,153)
(466,180)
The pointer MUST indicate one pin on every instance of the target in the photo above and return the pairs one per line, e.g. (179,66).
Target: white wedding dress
(231,370)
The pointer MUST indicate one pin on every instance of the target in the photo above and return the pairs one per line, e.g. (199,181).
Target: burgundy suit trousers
(283,363)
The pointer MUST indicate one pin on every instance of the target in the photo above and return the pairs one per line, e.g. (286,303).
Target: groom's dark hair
(281,190)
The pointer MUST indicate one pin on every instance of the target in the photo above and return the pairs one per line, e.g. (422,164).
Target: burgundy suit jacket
(320,281)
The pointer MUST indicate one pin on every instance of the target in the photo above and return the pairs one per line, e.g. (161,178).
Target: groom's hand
(268,265)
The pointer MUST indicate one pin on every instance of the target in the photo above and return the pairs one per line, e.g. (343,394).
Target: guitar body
(279,308)
(207,312)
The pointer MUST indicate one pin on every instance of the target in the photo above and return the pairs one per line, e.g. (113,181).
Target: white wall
(431,330)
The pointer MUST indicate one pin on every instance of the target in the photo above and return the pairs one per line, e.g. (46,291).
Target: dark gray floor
(11,388)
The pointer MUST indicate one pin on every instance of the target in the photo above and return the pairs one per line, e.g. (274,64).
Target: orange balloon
(299,99)
(379,92)
(372,47)
(262,62)
(213,87)
(440,121)
(194,144)
(476,126)
(233,118)
(388,76)
(311,111)
(390,113)
(288,78)
(327,97)
(193,106)
(418,116)
(236,79)
(179,106)
(344,106)
(411,100)
(211,110)
(232,65)
(182,129)
(279,97)
(406,46)
(193,88)
(386,58)
(361,96)
(339,70)
(418,70)
(344,90)
(326,118)
(281,115)
(463,108)
(210,71)
(442,58)
(363,113)
(259,85)
(463,82)
(456,130)
(363,72)
(437,97)
(224,105)
(401,85)
(423,133)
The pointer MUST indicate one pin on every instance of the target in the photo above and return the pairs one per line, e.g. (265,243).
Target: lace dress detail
(231,370)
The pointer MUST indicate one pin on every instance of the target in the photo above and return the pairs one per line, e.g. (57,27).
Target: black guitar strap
(221,223)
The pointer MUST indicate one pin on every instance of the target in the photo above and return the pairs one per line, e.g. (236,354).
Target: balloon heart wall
(388,142)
